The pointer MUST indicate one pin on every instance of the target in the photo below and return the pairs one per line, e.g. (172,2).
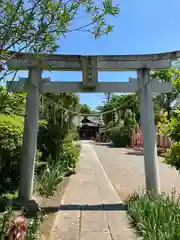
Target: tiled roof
(95,120)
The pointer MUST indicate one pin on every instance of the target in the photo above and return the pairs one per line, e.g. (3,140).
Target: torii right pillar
(149,133)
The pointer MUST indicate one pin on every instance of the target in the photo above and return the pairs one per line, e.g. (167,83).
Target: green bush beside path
(155,217)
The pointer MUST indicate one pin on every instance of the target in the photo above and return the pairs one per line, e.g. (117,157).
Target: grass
(155,218)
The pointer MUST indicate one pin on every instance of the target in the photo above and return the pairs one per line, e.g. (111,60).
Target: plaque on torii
(89,72)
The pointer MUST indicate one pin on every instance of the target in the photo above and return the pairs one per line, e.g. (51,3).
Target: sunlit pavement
(125,169)
(91,208)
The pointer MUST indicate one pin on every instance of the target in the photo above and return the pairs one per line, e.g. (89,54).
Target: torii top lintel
(60,62)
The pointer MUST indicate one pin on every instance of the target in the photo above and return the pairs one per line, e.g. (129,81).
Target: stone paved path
(125,169)
(91,208)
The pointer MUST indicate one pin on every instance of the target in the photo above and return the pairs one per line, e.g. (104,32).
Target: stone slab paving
(125,169)
(91,209)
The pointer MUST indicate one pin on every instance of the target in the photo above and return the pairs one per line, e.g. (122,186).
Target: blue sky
(142,27)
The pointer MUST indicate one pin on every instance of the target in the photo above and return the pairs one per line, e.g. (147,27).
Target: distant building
(89,127)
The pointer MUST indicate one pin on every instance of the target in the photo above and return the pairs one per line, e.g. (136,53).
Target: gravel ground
(125,169)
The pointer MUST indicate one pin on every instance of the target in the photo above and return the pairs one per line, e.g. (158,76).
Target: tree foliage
(121,132)
(85,109)
(35,26)
(173,156)
(54,128)
(11,132)
(130,120)
(172,129)
(108,96)
(168,101)
(120,103)
(12,103)
(51,135)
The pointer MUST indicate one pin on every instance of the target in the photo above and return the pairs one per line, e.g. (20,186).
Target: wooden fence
(163,142)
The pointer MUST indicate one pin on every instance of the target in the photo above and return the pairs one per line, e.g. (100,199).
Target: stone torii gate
(34,85)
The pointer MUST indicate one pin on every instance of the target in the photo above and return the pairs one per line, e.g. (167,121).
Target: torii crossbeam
(116,87)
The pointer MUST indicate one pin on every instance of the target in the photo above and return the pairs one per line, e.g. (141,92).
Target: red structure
(137,140)
(163,141)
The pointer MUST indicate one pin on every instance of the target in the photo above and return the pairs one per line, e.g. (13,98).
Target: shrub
(173,156)
(33,225)
(40,166)
(33,231)
(155,217)
(69,157)
(120,136)
(50,178)
(121,133)
(130,119)
(74,134)
(69,154)
(12,103)
(4,221)
(11,134)
(174,127)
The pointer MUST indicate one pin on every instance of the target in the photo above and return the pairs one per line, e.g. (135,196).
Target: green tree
(120,103)
(35,26)
(120,134)
(130,120)
(85,109)
(108,96)
(52,135)
(12,103)
(172,128)
(167,101)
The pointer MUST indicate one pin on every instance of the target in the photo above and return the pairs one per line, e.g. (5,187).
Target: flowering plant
(18,228)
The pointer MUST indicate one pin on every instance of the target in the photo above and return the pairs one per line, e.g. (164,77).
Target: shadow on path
(109,144)
(102,143)
(78,207)
(135,153)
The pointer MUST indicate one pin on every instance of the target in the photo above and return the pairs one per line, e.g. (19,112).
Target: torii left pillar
(28,156)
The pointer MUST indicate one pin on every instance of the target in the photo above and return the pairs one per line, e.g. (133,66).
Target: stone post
(28,156)
(148,131)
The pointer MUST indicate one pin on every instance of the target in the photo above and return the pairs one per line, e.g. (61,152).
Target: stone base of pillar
(31,207)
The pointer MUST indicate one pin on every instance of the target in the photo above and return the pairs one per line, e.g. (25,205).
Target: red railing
(137,140)
(162,141)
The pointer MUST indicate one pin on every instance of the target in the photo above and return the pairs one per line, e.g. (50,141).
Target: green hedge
(70,154)
(120,136)
(74,133)
(155,217)
(11,133)
(173,156)
(53,172)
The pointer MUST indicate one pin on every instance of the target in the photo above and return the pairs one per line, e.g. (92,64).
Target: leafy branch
(37,26)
